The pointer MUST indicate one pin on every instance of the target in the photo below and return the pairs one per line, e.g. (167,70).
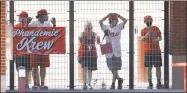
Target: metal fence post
(166,44)
(131,44)
(11,6)
(71,42)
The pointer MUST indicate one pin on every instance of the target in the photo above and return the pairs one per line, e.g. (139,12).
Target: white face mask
(114,23)
(22,20)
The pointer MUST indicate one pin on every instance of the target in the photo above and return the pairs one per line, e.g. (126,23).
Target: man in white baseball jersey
(41,60)
(113,35)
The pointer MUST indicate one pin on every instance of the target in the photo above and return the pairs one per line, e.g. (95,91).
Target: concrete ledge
(109,91)
(178,73)
(3,83)
(179,58)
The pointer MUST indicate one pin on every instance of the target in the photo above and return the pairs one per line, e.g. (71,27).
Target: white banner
(9,42)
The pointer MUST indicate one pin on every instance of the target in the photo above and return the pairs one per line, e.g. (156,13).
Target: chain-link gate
(59,74)
(94,11)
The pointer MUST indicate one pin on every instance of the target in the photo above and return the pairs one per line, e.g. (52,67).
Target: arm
(81,38)
(29,19)
(97,38)
(102,20)
(159,38)
(147,35)
(53,21)
(123,19)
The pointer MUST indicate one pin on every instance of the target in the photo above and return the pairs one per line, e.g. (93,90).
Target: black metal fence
(65,71)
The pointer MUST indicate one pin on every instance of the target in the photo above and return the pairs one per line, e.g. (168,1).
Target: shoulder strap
(103,38)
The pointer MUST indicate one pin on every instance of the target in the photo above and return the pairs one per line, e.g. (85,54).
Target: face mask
(88,28)
(46,18)
(149,23)
(114,23)
(23,20)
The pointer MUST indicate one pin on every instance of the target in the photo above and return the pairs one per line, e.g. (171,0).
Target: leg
(44,62)
(27,78)
(115,75)
(35,75)
(85,75)
(114,64)
(158,64)
(89,78)
(85,79)
(149,64)
(113,79)
(42,74)
(118,64)
(149,69)
(158,75)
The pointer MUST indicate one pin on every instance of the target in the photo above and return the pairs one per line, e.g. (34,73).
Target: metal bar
(0,46)
(66,0)
(186,33)
(131,45)
(71,42)
(11,6)
(166,44)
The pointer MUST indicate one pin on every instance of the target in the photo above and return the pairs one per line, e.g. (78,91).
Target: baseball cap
(23,14)
(148,18)
(42,12)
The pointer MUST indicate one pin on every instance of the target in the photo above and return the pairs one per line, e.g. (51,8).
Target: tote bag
(106,48)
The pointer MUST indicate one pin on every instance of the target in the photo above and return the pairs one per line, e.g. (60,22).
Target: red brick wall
(3,39)
(177,27)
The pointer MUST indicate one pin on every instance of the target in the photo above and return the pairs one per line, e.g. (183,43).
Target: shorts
(40,60)
(89,62)
(153,59)
(114,63)
(23,61)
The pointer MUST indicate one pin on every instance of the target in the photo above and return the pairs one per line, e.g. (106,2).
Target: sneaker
(27,87)
(160,86)
(120,82)
(90,87)
(112,86)
(35,87)
(44,87)
(150,86)
(85,86)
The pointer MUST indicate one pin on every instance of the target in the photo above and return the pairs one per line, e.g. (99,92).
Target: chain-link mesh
(94,11)
(57,75)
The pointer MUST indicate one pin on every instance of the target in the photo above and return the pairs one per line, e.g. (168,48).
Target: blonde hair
(88,23)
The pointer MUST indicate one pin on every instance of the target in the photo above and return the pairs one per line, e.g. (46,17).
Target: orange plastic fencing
(142,73)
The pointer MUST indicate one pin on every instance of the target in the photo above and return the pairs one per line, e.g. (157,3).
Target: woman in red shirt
(87,54)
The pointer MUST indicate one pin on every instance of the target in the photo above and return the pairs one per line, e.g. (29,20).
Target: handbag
(107,47)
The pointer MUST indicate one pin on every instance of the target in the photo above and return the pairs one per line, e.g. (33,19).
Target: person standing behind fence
(113,32)
(24,59)
(151,36)
(87,54)
(41,60)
